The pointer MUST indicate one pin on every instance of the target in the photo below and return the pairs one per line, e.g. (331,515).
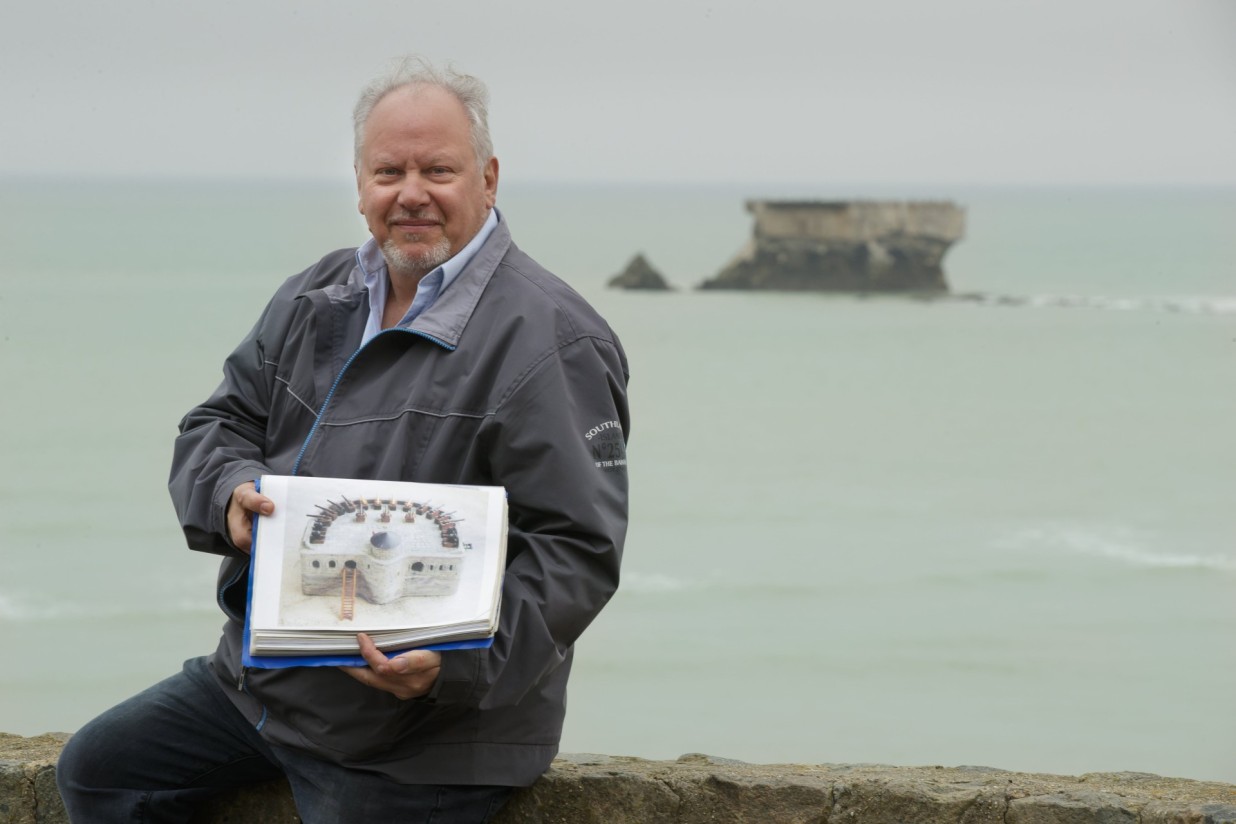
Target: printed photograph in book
(350,555)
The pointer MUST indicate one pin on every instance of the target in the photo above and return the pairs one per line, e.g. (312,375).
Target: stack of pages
(409,564)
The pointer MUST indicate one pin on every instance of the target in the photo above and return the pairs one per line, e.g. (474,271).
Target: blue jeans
(153,757)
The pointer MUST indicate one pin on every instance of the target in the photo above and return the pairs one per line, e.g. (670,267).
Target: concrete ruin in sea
(845,246)
(381,549)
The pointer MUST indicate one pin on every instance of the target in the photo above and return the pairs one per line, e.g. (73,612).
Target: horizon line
(336,180)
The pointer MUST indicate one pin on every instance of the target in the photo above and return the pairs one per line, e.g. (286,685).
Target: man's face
(420,189)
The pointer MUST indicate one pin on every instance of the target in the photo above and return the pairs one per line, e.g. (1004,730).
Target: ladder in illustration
(347,603)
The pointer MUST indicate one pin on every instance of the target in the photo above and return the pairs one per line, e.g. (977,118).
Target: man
(435,352)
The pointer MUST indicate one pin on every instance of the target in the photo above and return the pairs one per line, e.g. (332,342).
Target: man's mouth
(413,222)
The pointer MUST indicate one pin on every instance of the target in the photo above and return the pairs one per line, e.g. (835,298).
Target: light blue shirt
(373,265)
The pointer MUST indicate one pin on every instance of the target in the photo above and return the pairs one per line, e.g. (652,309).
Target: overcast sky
(805,91)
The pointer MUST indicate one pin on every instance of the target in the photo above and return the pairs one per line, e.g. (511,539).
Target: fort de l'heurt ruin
(845,246)
(380,549)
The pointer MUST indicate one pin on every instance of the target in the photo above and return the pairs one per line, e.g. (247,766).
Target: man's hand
(245,501)
(405,676)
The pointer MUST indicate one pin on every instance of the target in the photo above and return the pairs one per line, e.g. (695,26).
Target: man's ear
(491,182)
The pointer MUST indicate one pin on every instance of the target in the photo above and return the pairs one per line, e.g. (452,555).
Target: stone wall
(599,789)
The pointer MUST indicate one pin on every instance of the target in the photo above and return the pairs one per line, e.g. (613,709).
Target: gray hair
(417,71)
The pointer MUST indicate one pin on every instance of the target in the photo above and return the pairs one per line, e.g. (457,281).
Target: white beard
(401,264)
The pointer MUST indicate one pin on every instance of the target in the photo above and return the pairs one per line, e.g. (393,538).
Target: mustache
(408,214)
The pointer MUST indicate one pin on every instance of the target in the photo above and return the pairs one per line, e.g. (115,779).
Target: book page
(360,555)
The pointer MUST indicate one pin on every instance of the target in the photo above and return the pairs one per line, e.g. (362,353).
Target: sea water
(996,530)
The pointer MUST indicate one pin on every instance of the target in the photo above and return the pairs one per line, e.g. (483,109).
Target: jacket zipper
(240,680)
(326,402)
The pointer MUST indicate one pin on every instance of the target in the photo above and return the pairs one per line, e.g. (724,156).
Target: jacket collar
(444,321)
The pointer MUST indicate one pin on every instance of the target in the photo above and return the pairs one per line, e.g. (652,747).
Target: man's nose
(413,194)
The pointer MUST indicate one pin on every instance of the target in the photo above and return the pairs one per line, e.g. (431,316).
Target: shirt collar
(373,266)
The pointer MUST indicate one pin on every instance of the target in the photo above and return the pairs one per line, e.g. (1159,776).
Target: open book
(409,564)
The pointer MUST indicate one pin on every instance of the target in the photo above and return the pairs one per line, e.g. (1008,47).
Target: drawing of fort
(380,549)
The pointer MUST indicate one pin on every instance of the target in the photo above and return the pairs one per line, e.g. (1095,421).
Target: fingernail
(399,664)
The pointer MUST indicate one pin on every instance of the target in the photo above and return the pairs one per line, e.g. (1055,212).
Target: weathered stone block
(1165,812)
(1075,807)
(602,798)
(700,789)
(738,800)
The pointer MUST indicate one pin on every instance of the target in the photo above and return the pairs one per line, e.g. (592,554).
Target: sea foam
(1179,305)
(1122,545)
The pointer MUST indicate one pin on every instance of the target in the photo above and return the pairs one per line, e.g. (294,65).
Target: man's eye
(388,171)
(438,171)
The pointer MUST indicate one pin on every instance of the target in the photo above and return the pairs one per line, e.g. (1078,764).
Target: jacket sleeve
(220,445)
(558,445)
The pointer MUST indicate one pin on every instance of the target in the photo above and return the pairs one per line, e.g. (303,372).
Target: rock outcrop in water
(639,274)
(845,246)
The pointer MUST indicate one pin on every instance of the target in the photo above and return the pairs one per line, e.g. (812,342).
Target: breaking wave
(1178,305)
(656,583)
(1118,545)
(22,609)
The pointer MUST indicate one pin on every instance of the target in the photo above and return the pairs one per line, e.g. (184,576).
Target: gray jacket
(509,379)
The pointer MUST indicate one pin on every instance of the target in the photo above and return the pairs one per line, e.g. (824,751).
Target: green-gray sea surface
(863,530)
